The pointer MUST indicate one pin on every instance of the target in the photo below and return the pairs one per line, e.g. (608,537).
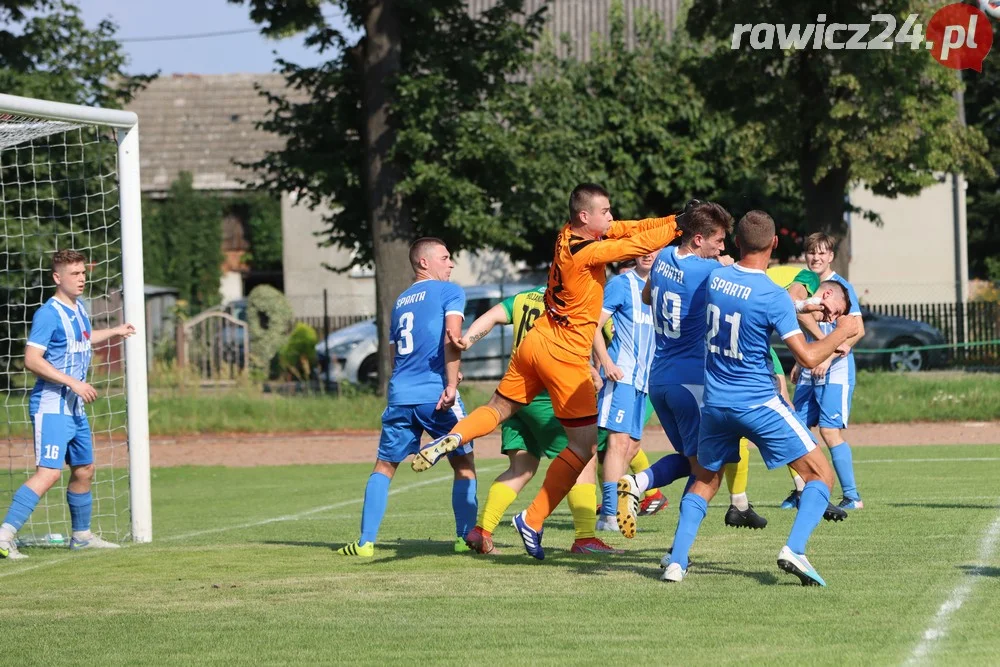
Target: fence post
(181,343)
(326,340)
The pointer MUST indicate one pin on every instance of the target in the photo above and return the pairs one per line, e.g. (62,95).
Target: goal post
(71,180)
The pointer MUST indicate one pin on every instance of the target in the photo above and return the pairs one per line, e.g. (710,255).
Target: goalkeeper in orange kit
(555,355)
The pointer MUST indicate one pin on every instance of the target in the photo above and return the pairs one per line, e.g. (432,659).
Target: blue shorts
(823,405)
(402,426)
(621,408)
(61,439)
(678,407)
(778,433)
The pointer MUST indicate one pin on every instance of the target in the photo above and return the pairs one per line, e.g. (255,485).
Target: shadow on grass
(947,506)
(980,570)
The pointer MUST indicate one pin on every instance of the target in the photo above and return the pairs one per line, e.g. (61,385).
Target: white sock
(643,481)
(7,532)
(740,500)
(82,534)
(800,483)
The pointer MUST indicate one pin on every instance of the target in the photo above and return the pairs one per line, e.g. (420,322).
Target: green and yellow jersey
(783,276)
(522,310)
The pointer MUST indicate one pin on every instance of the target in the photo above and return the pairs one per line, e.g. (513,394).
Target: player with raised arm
(743,307)
(625,372)
(423,391)
(823,395)
(58,352)
(676,290)
(530,434)
(555,355)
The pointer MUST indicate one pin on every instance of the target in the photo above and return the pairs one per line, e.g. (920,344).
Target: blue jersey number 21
(714,316)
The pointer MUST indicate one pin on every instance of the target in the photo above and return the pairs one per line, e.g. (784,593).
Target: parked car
(353,350)
(885,332)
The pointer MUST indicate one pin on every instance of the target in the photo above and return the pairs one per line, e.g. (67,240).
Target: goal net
(69,180)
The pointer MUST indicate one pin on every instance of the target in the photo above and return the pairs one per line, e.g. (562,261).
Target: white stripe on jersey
(779,406)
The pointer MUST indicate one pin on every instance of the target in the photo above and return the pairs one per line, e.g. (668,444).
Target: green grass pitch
(242,571)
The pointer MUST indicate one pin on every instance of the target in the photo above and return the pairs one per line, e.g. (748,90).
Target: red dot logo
(959,36)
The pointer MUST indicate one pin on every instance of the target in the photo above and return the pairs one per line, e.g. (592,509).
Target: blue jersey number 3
(405,345)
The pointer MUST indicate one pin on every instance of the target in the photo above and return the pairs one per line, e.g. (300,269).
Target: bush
(298,355)
(269,316)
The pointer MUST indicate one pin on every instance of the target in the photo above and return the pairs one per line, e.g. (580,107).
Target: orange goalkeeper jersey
(575,289)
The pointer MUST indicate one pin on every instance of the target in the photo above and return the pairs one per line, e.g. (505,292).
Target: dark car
(885,332)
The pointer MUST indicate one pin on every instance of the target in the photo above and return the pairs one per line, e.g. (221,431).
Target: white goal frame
(126,126)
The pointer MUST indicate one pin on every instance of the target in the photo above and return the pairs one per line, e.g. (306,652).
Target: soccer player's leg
(653,500)
(616,414)
(80,457)
(806,405)
(518,387)
(400,438)
(52,434)
(741,513)
(717,445)
(783,439)
(568,379)
(464,488)
(834,410)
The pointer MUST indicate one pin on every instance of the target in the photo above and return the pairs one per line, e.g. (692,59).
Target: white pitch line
(309,512)
(941,460)
(939,624)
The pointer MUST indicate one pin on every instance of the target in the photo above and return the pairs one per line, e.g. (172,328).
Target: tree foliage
(182,243)
(982,109)
(832,118)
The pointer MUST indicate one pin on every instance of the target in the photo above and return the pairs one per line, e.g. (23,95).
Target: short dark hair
(820,239)
(755,232)
(626,264)
(705,218)
(66,257)
(419,247)
(833,284)
(579,199)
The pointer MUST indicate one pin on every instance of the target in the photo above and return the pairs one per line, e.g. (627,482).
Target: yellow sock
(737,473)
(799,484)
(638,464)
(499,499)
(582,500)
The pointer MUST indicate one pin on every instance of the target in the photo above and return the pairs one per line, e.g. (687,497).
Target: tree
(982,109)
(182,247)
(47,52)
(883,117)
(387,131)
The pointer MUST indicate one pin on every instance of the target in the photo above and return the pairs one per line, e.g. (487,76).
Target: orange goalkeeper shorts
(539,364)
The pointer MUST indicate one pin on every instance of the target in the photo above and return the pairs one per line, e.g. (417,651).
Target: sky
(248,52)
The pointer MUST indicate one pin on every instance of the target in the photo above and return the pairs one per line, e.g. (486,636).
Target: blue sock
(21,506)
(609,498)
(668,469)
(693,510)
(376,499)
(843,463)
(463,502)
(80,506)
(812,504)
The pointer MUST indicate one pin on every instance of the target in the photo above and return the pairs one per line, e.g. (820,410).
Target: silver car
(353,350)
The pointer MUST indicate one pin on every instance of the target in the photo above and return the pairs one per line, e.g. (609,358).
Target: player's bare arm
(482,326)
(452,362)
(98,336)
(601,350)
(810,355)
(35,362)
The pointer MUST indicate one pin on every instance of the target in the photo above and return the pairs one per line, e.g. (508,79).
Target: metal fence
(331,323)
(971,330)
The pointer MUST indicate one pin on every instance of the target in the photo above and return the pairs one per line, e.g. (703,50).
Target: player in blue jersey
(823,395)
(677,291)
(621,403)
(423,391)
(58,352)
(743,307)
